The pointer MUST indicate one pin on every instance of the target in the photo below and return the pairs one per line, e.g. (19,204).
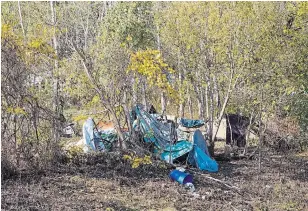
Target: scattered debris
(181,177)
(190,186)
(169,142)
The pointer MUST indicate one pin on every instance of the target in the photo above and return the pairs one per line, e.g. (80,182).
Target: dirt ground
(107,182)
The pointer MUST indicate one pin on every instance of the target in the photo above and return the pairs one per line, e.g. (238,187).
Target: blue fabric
(88,133)
(159,133)
(95,139)
(203,161)
(190,123)
(199,156)
(153,130)
(177,150)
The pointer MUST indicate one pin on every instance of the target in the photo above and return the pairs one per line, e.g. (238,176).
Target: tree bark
(190,107)
(163,102)
(144,98)
(55,75)
(222,111)
(211,121)
(20,17)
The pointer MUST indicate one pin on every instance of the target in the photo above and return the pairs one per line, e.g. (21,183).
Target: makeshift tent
(170,143)
(160,134)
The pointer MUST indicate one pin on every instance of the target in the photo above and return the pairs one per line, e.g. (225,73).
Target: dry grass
(107,182)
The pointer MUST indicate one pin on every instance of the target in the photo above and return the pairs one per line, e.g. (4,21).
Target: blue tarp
(88,133)
(160,134)
(191,123)
(200,156)
(97,140)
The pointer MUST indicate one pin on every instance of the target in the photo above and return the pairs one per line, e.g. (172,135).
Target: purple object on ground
(181,177)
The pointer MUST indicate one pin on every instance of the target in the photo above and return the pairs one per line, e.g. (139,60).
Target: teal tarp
(191,123)
(200,156)
(158,133)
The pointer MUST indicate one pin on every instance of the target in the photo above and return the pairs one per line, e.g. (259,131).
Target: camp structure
(170,143)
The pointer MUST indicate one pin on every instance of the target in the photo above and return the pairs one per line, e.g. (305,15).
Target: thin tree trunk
(222,111)
(248,131)
(144,99)
(55,75)
(207,102)
(163,102)
(134,92)
(190,107)
(211,122)
(87,68)
(181,110)
(216,95)
(20,17)
(200,105)
(126,110)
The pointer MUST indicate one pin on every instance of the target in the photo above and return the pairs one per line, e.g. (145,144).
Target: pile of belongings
(97,139)
(170,141)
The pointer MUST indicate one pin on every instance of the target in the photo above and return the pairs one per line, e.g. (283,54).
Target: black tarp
(238,124)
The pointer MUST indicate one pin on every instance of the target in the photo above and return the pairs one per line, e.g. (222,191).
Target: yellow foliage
(149,63)
(16,110)
(5,30)
(80,118)
(137,161)
(36,43)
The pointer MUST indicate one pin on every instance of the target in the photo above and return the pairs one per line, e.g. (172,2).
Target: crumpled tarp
(191,123)
(200,156)
(97,139)
(161,134)
(158,133)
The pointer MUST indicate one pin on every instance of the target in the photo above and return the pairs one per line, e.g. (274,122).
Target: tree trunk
(222,111)
(55,76)
(87,69)
(126,110)
(21,22)
(207,102)
(116,123)
(211,122)
(134,92)
(163,102)
(144,99)
(201,106)
(190,107)
(248,131)
(216,95)
(182,106)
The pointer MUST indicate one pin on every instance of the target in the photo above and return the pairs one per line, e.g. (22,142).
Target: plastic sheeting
(199,156)
(177,150)
(190,123)
(161,135)
(97,140)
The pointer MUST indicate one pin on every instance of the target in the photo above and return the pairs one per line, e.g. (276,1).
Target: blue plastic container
(181,177)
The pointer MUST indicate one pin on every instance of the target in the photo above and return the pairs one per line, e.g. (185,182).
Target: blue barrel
(181,177)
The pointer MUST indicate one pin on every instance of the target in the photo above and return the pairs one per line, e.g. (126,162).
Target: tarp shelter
(160,134)
(168,145)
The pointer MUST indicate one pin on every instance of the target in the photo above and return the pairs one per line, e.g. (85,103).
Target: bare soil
(107,182)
